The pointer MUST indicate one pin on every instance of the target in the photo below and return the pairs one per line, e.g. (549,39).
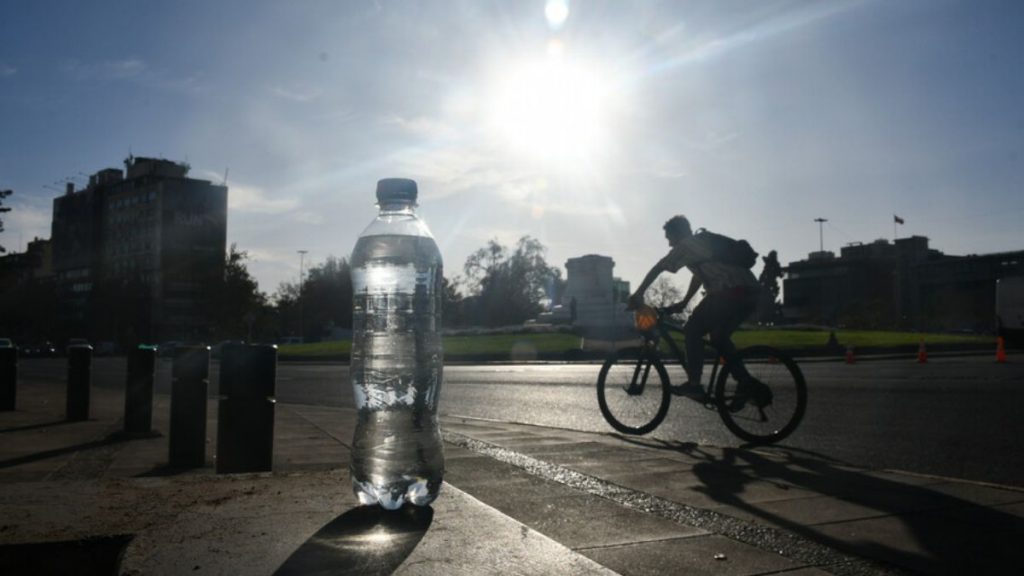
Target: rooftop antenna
(821,233)
(225,181)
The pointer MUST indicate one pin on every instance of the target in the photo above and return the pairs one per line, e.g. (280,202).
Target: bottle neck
(397,209)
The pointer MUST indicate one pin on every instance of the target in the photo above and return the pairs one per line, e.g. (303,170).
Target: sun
(554,109)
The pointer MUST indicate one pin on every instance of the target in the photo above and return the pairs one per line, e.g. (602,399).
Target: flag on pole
(897,219)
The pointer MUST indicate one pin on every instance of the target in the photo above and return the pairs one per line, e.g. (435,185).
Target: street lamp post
(302,259)
(821,233)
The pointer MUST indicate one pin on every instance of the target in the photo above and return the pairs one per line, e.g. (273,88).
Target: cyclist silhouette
(731,296)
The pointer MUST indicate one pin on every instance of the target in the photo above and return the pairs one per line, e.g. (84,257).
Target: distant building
(593,298)
(35,263)
(901,284)
(150,233)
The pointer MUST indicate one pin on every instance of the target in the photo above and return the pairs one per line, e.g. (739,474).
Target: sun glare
(556,12)
(554,109)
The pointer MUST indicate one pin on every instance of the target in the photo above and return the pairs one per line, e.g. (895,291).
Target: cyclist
(731,296)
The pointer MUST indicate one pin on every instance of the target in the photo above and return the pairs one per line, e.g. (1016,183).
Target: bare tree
(664,292)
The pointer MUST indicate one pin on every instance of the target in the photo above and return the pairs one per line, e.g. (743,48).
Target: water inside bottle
(396,370)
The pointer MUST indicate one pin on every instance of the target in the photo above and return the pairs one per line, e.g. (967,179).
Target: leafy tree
(452,302)
(509,286)
(237,303)
(3,209)
(286,310)
(325,299)
(664,292)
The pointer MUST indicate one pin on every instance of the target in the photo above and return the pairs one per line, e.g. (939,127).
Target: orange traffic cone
(849,354)
(922,354)
(1000,350)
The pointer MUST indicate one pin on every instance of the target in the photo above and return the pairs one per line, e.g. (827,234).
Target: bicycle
(635,401)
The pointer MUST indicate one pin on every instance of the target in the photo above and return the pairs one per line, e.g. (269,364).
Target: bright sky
(583,123)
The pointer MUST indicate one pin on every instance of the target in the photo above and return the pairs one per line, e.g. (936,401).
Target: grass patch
(331,349)
(495,346)
(556,345)
(509,345)
(808,339)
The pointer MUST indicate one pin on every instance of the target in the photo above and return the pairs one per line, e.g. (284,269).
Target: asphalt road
(957,417)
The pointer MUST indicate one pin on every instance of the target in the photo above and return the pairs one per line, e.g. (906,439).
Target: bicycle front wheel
(633,391)
(763,415)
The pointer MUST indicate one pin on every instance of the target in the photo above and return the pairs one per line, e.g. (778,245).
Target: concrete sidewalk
(518,499)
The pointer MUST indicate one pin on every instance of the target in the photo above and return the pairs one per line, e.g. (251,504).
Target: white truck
(1010,307)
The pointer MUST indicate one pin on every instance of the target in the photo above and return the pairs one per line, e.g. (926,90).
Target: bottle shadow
(365,540)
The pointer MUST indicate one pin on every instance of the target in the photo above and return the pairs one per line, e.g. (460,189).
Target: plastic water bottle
(397,356)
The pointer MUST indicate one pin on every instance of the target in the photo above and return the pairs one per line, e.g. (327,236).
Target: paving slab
(922,543)
(692,556)
(261,523)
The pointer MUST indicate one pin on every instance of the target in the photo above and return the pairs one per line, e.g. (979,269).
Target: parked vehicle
(6,343)
(166,350)
(105,348)
(39,350)
(216,349)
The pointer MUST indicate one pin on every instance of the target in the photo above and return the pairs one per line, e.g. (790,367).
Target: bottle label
(387,278)
(396,348)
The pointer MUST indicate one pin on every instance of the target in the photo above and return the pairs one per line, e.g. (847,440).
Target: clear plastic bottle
(397,358)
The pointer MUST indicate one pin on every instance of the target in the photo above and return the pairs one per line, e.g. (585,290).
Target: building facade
(593,299)
(901,284)
(136,252)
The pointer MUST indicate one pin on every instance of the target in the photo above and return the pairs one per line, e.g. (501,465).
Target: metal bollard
(190,379)
(79,382)
(245,413)
(8,378)
(138,390)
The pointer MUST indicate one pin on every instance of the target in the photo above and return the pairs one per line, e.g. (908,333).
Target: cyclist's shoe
(753,391)
(689,390)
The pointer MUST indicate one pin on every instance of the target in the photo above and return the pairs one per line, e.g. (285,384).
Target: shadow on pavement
(166,470)
(941,533)
(35,426)
(108,441)
(365,540)
(99,556)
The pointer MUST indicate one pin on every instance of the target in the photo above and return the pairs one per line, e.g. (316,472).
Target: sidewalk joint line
(765,538)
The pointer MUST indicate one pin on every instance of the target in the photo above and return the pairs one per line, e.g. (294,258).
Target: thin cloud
(133,70)
(6,71)
(708,47)
(244,198)
(106,70)
(297,93)
(305,217)
(127,68)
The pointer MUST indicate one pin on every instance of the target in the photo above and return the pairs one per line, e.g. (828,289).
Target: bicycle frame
(665,327)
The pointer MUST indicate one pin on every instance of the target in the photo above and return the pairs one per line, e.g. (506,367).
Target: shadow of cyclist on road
(924,528)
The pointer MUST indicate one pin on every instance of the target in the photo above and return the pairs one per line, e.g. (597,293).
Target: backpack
(727,250)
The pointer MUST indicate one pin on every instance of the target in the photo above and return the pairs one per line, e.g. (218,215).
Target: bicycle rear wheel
(633,391)
(767,418)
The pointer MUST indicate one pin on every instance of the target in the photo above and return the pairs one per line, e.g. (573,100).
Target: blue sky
(584,123)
